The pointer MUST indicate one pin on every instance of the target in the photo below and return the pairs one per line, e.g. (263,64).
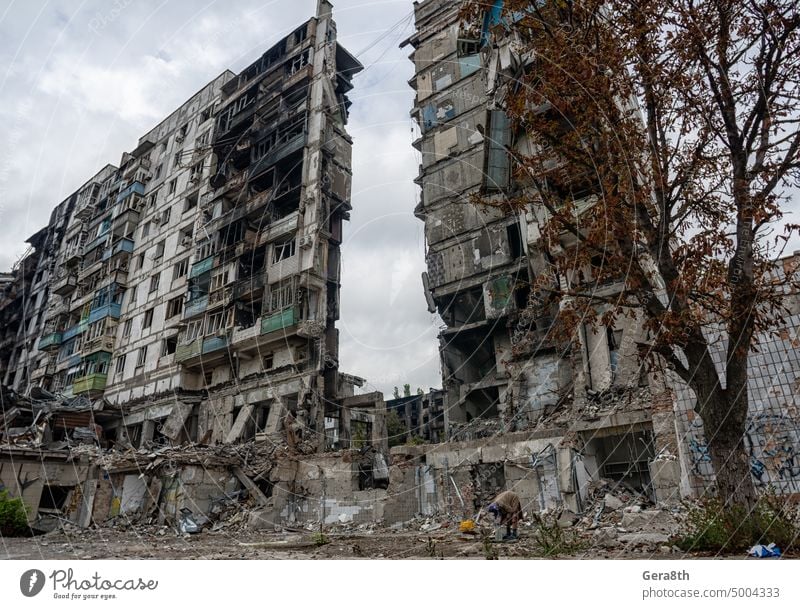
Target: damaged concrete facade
(502,368)
(189,297)
(593,410)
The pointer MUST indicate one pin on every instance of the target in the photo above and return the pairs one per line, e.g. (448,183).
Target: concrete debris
(611,502)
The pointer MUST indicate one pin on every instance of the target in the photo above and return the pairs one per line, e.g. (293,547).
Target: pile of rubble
(619,517)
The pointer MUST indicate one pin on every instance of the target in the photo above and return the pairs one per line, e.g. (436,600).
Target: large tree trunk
(729,455)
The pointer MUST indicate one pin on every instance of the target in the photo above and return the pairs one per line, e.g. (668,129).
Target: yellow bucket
(467,526)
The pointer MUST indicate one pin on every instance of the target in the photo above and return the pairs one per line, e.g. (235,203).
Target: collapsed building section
(505,366)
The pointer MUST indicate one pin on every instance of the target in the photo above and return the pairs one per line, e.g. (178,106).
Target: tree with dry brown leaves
(657,141)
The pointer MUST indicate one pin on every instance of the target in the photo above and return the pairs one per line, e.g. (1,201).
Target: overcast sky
(80,82)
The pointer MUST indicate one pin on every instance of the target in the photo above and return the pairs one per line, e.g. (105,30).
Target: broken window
(283,250)
(169,346)
(193,330)
(281,295)
(142,355)
(497,157)
(175,307)
(148,319)
(119,366)
(298,62)
(54,497)
(215,323)
(172,186)
(205,115)
(159,251)
(180,269)
(300,34)
(269,361)
(197,171)
(154,282)
(191,201)
(185,236)
(514,240)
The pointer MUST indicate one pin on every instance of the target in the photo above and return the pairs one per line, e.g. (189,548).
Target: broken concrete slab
(648,520)
(173,426)
(612,503)
(638,539)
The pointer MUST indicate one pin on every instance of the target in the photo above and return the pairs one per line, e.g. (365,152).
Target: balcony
(118,276)
(220,297)
(94,243)
(99,343)
(124,220)
(214,343)
(56,307)
(201,267)
(248,286)
(110,310)
(282,150)
(195,307)
(188,350)
(72,332)
(135,187)
(90,269)
(123,246)
(73,254)
(89,383)
(241,335)
(65,285)
(278,321)
(49,342)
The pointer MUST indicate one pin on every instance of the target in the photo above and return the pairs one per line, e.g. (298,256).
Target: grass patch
(551,539)
(320,539)
(710,527)
(13,516)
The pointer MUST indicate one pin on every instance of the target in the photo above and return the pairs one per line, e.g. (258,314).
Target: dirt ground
(164,543)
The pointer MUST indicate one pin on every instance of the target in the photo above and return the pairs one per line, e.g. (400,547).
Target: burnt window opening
(300,34)
(522,295)
(170,346)
(514,240)
(54,497)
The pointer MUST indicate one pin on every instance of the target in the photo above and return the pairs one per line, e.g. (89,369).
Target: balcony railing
(124,245)
(195,307)
(65,285)
(48,341)
(72,332)
(247,286)
(99,343)
(188,350)
(198,268)
(110,310)
(135,187)
(96,242)
(278,321)
(90,382)
(214,343)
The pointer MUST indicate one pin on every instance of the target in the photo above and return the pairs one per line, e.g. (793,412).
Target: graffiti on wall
(772,441)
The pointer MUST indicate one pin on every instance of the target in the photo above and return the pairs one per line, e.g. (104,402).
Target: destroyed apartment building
(190,297)
(522,410)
